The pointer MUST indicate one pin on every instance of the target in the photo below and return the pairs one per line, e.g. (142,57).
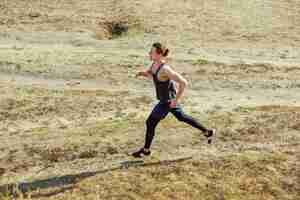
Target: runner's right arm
(146,73)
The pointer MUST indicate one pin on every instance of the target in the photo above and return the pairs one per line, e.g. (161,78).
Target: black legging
(153,120)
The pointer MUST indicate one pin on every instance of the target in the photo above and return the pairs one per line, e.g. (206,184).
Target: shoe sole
(209,139)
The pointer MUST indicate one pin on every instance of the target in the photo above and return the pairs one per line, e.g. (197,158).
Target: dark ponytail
(166,52)
(160,49)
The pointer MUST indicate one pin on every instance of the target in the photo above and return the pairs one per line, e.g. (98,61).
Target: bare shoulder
(167,69)
(169,72)
(173,75)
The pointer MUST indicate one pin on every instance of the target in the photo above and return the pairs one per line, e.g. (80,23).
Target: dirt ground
(71,109)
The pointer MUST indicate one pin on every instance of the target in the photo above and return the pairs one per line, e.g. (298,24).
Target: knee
(180,117)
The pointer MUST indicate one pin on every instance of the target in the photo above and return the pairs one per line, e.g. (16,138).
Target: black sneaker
(209,134)
(140,153)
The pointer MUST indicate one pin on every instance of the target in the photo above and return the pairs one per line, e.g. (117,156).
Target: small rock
(111,150)
(64,123)
(2,171)
(73,83)
(34,14)
(12,131)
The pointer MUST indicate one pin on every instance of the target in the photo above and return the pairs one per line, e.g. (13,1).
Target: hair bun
(166,52)
(160,49)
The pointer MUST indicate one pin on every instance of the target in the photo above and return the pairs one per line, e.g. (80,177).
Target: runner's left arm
(173,75)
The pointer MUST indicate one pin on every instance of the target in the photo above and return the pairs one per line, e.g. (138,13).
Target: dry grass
(66,138)
(256,170)
(249,175)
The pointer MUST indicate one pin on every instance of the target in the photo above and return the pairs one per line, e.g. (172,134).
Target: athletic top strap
(159,68)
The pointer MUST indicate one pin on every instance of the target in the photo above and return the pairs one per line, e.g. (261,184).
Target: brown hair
(160,49)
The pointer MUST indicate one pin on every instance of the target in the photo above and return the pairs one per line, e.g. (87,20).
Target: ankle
(209,132)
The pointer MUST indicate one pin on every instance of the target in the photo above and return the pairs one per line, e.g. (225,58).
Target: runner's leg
(181,116)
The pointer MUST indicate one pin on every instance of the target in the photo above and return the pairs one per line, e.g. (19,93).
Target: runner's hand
(139,74)
(173,103)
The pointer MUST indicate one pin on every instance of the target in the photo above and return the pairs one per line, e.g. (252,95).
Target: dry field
(71,109)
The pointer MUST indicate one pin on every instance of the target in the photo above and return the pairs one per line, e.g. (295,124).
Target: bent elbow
(184,83)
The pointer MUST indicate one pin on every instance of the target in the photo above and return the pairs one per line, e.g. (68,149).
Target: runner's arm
(146,73)
(173,75)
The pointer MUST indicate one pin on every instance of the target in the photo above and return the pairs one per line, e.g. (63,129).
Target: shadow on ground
(64,183)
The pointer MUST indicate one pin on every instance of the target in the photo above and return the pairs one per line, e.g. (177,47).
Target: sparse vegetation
(72,110)
(200,61)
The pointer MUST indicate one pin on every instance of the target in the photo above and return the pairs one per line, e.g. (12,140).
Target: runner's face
(154,56)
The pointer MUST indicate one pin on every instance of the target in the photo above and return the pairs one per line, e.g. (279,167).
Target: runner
(166,81)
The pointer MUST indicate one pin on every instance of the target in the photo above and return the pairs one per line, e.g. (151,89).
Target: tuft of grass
(88,154)
(39,130)
(244,109)
(119,24)
(200,61)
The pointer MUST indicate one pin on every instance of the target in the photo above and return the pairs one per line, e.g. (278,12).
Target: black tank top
(165,90)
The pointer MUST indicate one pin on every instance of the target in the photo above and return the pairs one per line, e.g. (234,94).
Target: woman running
(165,80)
